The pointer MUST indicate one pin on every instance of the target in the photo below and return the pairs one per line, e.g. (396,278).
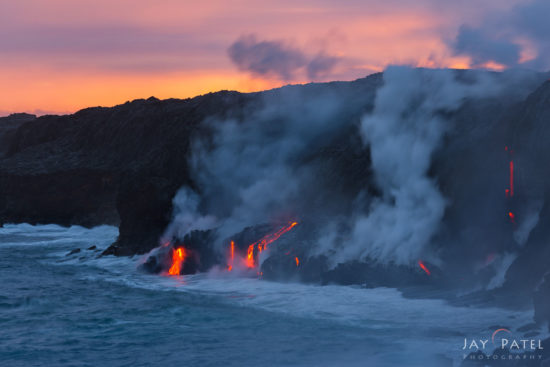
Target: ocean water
(82,310)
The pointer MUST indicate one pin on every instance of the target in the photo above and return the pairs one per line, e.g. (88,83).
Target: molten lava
(178,257)
(231,256)
(424,267)
(297,261)
(271,237)
(510,189)
(512,217)
(260,245)
(250,256)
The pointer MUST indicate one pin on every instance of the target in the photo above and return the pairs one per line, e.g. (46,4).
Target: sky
(58,56)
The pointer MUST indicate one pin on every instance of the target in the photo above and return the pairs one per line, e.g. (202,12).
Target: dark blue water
(78,310)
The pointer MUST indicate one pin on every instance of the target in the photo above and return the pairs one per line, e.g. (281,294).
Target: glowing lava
(178,256)
(424,267)
(261,245)
(250,256)
(510,189)
(231,255)
(297,261)
(271,237)
(512,217)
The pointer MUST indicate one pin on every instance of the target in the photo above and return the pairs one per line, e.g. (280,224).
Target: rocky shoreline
(123,166)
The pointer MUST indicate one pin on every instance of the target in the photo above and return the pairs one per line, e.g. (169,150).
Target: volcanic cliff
(124,165)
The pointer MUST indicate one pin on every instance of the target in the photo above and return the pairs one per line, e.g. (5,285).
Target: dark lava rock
(283,266)
(94,247)
(200,255)
(123,166)
(119,165)
(72,252)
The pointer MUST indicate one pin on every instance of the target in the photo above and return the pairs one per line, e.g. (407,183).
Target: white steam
(251,172)
(406,126)
(254,168)
(501,266)
(186,216)
(530,220)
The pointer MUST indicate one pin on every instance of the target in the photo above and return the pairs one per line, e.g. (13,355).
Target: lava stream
(250,256)
(271,237)
(178,257)
(231,256)
(261,244)
(424,267)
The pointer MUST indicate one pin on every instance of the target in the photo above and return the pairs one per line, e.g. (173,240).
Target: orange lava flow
(297,261)
(424,267)
(178,256)
(260,245)
(250,256)
(271,237)
(231,256)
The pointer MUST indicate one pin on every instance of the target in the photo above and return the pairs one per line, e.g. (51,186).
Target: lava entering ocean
(271,237)
(261,245)
(231,256)
(250,256)
(178,257)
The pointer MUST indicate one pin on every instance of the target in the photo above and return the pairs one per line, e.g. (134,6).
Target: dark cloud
(531,21)
(498,38)
(481,48)
(320,65)
(277,59)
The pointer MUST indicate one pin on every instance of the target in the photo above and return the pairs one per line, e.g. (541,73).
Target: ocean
(80,309)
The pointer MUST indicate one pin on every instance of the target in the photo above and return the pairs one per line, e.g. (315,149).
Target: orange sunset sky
(58,56)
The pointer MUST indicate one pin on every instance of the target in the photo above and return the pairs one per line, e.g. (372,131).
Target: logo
(502,345)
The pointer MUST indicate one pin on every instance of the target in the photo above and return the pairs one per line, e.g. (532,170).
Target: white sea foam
(51,234)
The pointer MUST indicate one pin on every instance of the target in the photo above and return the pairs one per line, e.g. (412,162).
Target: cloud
(320,65)
(503,37)
(115,51)
(482,48)
(277,59)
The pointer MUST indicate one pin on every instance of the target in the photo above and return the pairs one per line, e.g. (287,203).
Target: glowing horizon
(63,56)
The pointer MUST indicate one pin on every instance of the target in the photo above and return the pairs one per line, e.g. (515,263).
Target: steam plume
(408,123)
(276,59)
